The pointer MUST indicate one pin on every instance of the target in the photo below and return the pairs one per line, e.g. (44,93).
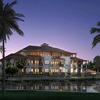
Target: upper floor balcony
(34,65)
(57,65)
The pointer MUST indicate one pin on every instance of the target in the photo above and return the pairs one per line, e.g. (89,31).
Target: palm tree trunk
(3,67)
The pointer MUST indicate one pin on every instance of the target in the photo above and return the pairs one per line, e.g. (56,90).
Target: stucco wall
(47,63)
(67,63)
(22,53)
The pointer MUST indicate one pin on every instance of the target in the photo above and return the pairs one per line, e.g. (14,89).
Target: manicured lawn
(50,79)
(37,95)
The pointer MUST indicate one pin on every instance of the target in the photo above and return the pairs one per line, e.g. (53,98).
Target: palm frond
(9,12)
(94,30)
(1,6)
(6,6)
(96,40)
(19,15)
(13,3)
(18,19)
(8,20)
(13,25)
(9,6)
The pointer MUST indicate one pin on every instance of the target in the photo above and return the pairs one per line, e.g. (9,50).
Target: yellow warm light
(38,70)
(22,70)
(46,61)
(35,70)
(31,61)
(46,70)
(57,70)
(52,70)
(66,70)
(60,67)
(31,70)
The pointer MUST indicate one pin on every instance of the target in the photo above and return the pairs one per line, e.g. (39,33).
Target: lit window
(81,70)
(38,70)
(49,54)
(22,70)
(31,70)
(53,62)
(36,61)
(41,54)
(57,70)
(31,61)
(66,70)
(66,62)
(60,68)
(46,61)
(52,70)
(56,87)
(35,70)
(57,63)
(46,70)
(46,87)
(76,70)
(71,70)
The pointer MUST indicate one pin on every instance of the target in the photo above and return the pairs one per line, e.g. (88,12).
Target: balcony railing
(59,65)
(36,65)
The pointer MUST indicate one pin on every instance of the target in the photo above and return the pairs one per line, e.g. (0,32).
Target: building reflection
(53,86)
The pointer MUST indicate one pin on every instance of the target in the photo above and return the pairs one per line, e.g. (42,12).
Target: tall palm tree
(97,37)
(1,49)
(8,23)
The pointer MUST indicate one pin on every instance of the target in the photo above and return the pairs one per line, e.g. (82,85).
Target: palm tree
(8,22)
(96,61)
(1,49)
(97,37)
(20,63)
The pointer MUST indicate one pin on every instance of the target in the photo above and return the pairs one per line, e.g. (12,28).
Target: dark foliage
(11,70)
(20,63)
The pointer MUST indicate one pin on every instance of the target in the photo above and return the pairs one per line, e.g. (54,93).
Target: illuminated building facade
(46,59)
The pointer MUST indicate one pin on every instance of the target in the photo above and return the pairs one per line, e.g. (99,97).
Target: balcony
(58,65)
(35,65)
(56,57)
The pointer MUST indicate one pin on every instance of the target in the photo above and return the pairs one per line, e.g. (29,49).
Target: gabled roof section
(32,48)
(44,47)
(78,59)
(14,56)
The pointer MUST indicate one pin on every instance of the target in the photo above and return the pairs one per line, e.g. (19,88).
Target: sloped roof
(91,71)
(45,47)
(14,55)
(79,59)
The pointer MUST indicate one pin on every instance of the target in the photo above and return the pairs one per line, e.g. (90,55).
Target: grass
(55,79)
(44,95)
(51,79)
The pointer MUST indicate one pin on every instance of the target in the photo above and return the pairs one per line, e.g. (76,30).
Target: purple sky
(64,24)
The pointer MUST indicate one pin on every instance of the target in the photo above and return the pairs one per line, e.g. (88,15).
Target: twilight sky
(64,24)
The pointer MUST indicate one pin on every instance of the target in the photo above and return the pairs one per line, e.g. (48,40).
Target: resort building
(46,59)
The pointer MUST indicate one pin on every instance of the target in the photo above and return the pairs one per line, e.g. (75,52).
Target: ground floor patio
(53,71)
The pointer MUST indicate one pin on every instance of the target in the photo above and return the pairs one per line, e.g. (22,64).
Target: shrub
(11,70)
(8,64)
(20,63)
